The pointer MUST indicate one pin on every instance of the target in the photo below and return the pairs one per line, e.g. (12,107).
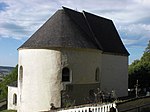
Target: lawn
(8,111)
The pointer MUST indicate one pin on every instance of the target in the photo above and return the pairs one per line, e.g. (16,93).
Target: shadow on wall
(93,96)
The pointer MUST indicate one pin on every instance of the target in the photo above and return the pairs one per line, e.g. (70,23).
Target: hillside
(5,70)
(7,80)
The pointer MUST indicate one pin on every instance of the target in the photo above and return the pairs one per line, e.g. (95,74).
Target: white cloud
(23,17)
(135,36)
(19,19)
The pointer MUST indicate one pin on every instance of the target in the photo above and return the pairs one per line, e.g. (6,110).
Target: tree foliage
(9,79)
(140,70)
(148,48)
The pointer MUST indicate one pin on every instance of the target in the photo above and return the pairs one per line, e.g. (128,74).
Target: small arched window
(65,75)
(14,99)
(97,73)
(21,73)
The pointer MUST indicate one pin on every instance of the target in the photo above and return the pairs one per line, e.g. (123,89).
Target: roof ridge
(88,28)
(69,28)
(59,31)
(97,42)
(106,34)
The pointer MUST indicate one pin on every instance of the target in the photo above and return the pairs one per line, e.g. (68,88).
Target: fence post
(138,109)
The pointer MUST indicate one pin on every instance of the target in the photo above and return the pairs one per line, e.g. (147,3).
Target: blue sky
(19,19)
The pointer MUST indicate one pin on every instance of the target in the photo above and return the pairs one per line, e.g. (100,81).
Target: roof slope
(58,31)
(69,28)
(106,34)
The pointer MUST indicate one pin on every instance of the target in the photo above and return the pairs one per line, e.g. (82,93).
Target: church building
(72,53)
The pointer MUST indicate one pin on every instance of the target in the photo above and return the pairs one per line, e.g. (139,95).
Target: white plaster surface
(41,79)
(83,64)
(115,74)
(42,69)
(11,92)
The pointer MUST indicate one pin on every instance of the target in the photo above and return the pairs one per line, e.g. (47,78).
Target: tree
(134,67)
(9,79)
(148,48)
(140,70)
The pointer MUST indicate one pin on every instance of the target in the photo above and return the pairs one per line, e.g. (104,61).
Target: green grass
(8,111)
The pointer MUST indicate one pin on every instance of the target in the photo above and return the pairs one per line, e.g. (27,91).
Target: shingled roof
(71,29)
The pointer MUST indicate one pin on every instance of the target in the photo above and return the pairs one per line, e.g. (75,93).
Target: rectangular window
(65,75)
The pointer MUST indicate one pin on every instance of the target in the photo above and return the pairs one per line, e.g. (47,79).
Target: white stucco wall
(42,70)
(115,74)
(42,74)
(11,92)
(41,79)
(83,63)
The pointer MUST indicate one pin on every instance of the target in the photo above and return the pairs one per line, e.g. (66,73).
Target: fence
(92,108)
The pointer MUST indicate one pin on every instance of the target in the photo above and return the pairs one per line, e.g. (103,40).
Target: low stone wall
(12,105)
(141,104)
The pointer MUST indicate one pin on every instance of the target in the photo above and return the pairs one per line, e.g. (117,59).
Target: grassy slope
(9,111)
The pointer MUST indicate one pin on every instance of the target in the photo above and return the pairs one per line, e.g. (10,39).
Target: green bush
(140,70)
(9,111)
(9,79)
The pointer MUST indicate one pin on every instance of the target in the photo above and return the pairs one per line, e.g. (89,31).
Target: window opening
(15,99)
(65,75)
(21,73)
(97,74)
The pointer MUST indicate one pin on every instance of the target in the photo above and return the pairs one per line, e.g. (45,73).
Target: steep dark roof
(59,31)
(106,34)
(69,28)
